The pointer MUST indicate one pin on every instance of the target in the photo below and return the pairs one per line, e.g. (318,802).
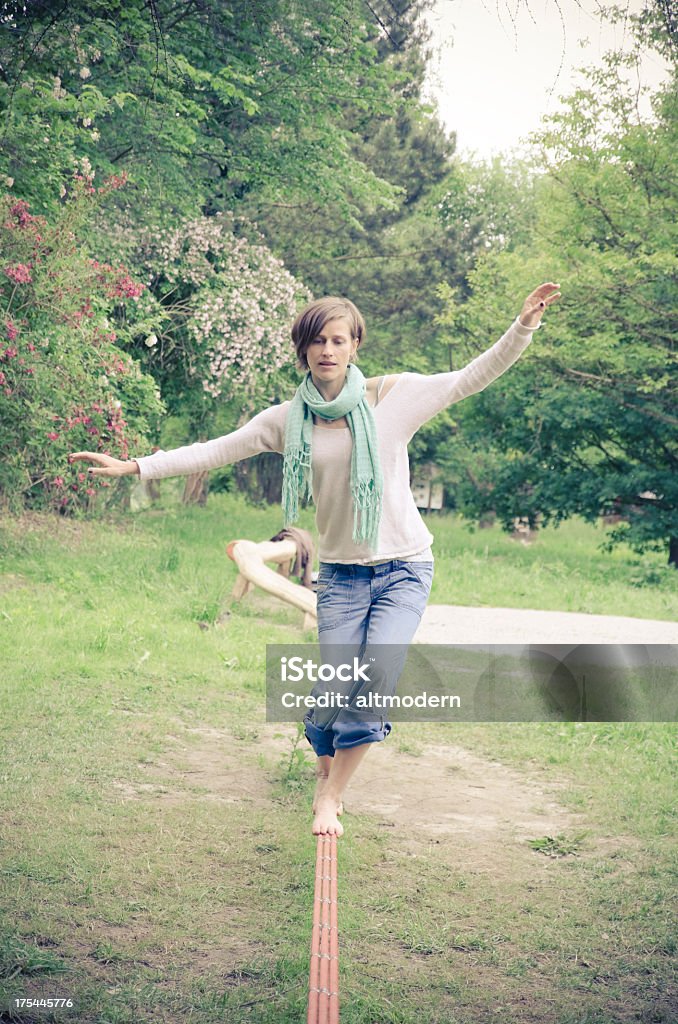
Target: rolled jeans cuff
(343,734)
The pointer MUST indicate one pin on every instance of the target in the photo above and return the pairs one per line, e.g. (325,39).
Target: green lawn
(156,860)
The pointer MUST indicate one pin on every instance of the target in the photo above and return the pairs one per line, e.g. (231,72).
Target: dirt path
(446,795)
(454,624)
(473,808)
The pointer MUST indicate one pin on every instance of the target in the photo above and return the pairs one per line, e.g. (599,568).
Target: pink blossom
(23,217)
(126,288)
(20,273)
(114,181)
(82,476)
(53,436)
(87,180)
(58,481)
(11,329)
(20,211)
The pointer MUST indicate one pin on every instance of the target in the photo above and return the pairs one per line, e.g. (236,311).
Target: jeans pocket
(327,574)
(422,571)
(334,597)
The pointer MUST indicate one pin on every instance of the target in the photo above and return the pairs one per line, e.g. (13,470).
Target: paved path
(453,624)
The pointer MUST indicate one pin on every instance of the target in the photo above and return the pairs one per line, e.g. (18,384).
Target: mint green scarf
(367,485)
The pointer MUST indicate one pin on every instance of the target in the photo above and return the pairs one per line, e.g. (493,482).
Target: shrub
(66,382)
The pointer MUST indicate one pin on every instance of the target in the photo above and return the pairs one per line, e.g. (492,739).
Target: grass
(153,865)
(563,569)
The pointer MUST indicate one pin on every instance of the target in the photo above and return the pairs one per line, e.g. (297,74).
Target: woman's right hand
(108,466)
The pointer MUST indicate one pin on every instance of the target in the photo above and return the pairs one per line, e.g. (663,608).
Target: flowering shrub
(66,384)
(228,306)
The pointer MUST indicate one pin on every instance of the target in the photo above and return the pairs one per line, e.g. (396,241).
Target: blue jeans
(360,606)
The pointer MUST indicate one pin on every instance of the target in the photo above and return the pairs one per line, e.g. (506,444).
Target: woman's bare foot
(326,820)
(321,782)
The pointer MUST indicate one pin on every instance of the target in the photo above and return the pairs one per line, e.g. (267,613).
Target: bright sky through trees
(499,65)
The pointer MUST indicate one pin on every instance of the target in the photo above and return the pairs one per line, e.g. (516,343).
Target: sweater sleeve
(265,432)
(421,396)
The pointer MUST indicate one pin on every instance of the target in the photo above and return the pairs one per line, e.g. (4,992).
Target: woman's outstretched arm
(489,365)
(263,433)
(422,396)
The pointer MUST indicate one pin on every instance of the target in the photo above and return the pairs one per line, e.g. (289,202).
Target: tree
(586,422)
(202,104)
(389,257)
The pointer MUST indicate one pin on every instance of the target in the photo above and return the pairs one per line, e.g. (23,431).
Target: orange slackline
(323,986)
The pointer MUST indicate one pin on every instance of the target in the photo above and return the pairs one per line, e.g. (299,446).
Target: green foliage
(202,104)
(295,766)
(558,846)
(489,205)
(389,257)
(212,108)
(66,382)
(585,423)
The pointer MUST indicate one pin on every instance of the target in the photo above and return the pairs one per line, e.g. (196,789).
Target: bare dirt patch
(448,797)
(480,810)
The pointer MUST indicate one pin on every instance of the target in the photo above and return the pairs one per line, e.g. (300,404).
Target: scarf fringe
(297,480)
(367,508)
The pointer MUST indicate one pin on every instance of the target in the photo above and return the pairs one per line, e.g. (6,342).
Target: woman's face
(330,352)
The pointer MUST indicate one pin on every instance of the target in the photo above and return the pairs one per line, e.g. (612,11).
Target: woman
(344,440)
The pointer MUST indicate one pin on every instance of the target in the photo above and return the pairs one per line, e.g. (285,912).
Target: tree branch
(642,410)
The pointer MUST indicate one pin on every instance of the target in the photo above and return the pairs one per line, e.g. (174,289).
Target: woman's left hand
(536,302)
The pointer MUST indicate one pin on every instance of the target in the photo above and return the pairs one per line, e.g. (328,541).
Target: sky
(499,65)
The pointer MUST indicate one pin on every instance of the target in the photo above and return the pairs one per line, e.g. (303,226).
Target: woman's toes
(330,828)
(326,821)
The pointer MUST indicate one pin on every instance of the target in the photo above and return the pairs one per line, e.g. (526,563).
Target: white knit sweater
(413,399)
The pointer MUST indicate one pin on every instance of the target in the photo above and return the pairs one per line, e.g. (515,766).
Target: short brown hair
(313,318)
